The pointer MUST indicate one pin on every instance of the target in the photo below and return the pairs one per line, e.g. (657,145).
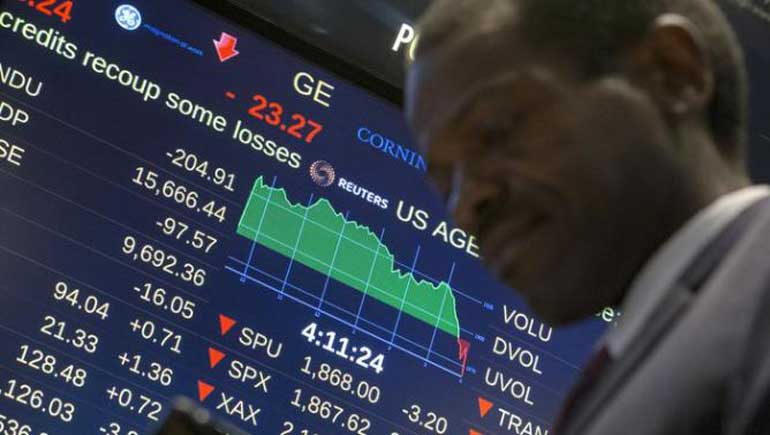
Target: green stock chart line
(324,240)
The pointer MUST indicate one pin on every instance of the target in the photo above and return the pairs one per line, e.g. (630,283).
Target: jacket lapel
(664,319)
(622,369)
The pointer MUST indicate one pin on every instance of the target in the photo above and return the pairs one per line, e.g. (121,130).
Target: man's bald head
(596,32)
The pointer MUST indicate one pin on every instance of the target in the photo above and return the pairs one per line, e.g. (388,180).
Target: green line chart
(323,239)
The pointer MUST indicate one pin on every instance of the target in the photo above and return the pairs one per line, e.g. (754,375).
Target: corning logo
(322,173)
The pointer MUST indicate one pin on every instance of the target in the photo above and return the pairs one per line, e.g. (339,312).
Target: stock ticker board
(190,209)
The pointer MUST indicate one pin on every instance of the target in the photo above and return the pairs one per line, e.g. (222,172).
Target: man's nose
(475,197)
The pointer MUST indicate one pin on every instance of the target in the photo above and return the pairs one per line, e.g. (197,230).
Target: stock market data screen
(188,208)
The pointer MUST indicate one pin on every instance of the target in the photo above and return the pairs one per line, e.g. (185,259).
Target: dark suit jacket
(702,366)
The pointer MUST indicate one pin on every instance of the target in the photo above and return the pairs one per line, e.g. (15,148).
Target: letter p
(405,36)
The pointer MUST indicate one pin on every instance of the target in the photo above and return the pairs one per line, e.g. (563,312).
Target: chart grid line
(369,280)
(259,228)
(331,264)
(406,294)
(435,330)
(296,246)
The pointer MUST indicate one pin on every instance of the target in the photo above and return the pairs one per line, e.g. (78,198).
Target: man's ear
(675,66)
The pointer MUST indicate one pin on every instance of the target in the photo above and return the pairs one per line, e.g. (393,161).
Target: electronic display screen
(188,208)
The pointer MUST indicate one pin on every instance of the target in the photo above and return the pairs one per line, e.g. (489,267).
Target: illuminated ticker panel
(188,208)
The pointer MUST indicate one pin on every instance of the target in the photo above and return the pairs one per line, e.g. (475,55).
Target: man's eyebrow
(472,98)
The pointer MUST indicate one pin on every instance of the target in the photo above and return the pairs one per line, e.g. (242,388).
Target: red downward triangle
(484,406)
(474,432)
(204,390)
(215,357)
(225,324)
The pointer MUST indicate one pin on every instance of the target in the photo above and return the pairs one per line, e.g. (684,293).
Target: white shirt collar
(658,276)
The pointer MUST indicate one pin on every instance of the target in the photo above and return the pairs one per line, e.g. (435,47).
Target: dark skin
(570,183)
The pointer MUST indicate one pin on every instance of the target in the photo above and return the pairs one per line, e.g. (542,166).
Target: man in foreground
(598,150)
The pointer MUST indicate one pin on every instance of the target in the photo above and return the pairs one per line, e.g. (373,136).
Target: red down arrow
(226,47)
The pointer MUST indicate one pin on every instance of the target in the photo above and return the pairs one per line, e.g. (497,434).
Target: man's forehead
(472,56)
(442,82)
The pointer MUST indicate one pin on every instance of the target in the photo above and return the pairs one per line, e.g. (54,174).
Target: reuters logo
(322,173)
